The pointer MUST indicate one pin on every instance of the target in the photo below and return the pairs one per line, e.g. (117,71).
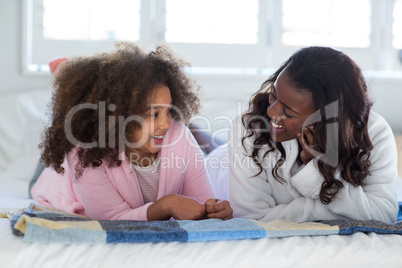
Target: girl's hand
(178,207)
(306,142)
(218,209)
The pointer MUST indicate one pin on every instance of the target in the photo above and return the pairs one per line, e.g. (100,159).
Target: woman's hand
(306,142)
(178,207)
(218,209)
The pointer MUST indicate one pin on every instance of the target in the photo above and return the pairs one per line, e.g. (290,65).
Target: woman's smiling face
(288,109)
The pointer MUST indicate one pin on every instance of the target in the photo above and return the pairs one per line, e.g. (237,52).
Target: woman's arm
(376,198)
(252,197)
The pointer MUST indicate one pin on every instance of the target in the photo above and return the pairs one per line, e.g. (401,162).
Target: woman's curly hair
(92,93)
(331,77)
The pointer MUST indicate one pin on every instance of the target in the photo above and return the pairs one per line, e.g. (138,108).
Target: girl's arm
(197,184)
(196,181)
(176,206)
(102,201)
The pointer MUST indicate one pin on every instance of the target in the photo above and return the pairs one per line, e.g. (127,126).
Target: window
(397,27)
(88,22)
(213,28)
(56,28)
(342,24)
(329,23)
(226,34)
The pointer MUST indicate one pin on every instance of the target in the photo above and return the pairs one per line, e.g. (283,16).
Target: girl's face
(288,109)
(149,138)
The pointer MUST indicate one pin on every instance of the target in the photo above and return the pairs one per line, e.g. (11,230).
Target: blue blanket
(47,225)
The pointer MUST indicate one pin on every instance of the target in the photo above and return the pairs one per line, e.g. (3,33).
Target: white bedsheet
(357,250)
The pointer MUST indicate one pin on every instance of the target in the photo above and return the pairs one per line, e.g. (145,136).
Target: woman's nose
(273,112)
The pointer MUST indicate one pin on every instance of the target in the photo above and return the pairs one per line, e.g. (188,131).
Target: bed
(19,136)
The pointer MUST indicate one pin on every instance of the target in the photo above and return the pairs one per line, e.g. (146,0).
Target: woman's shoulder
(378,125)
(380,131)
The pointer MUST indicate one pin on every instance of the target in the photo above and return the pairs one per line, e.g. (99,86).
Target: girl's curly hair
(92,93)
(330,77)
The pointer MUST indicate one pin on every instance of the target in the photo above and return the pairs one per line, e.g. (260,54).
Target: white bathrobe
(263,198)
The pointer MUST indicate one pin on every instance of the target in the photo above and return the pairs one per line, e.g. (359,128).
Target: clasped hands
(186,208)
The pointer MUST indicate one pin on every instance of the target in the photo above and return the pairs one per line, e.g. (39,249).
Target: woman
(310,148)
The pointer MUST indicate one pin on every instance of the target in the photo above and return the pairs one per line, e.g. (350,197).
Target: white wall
(222,90)
(388,102)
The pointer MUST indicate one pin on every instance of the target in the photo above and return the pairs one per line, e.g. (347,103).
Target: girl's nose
(165,123)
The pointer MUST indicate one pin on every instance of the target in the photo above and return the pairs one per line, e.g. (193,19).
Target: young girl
(309,147)
(116,150)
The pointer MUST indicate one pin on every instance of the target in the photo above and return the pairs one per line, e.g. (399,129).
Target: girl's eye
(154,115)
(169,111)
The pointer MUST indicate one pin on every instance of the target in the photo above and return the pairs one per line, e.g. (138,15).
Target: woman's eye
(286,114)
(271,98)
(154,115)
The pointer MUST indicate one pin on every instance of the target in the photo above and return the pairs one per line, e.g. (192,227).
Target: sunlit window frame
(380,55)
(152,28)
(268,53)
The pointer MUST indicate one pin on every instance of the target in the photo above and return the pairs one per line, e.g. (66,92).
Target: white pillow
(22,122)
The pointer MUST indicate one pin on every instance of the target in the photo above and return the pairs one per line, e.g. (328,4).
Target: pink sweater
(104,193)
